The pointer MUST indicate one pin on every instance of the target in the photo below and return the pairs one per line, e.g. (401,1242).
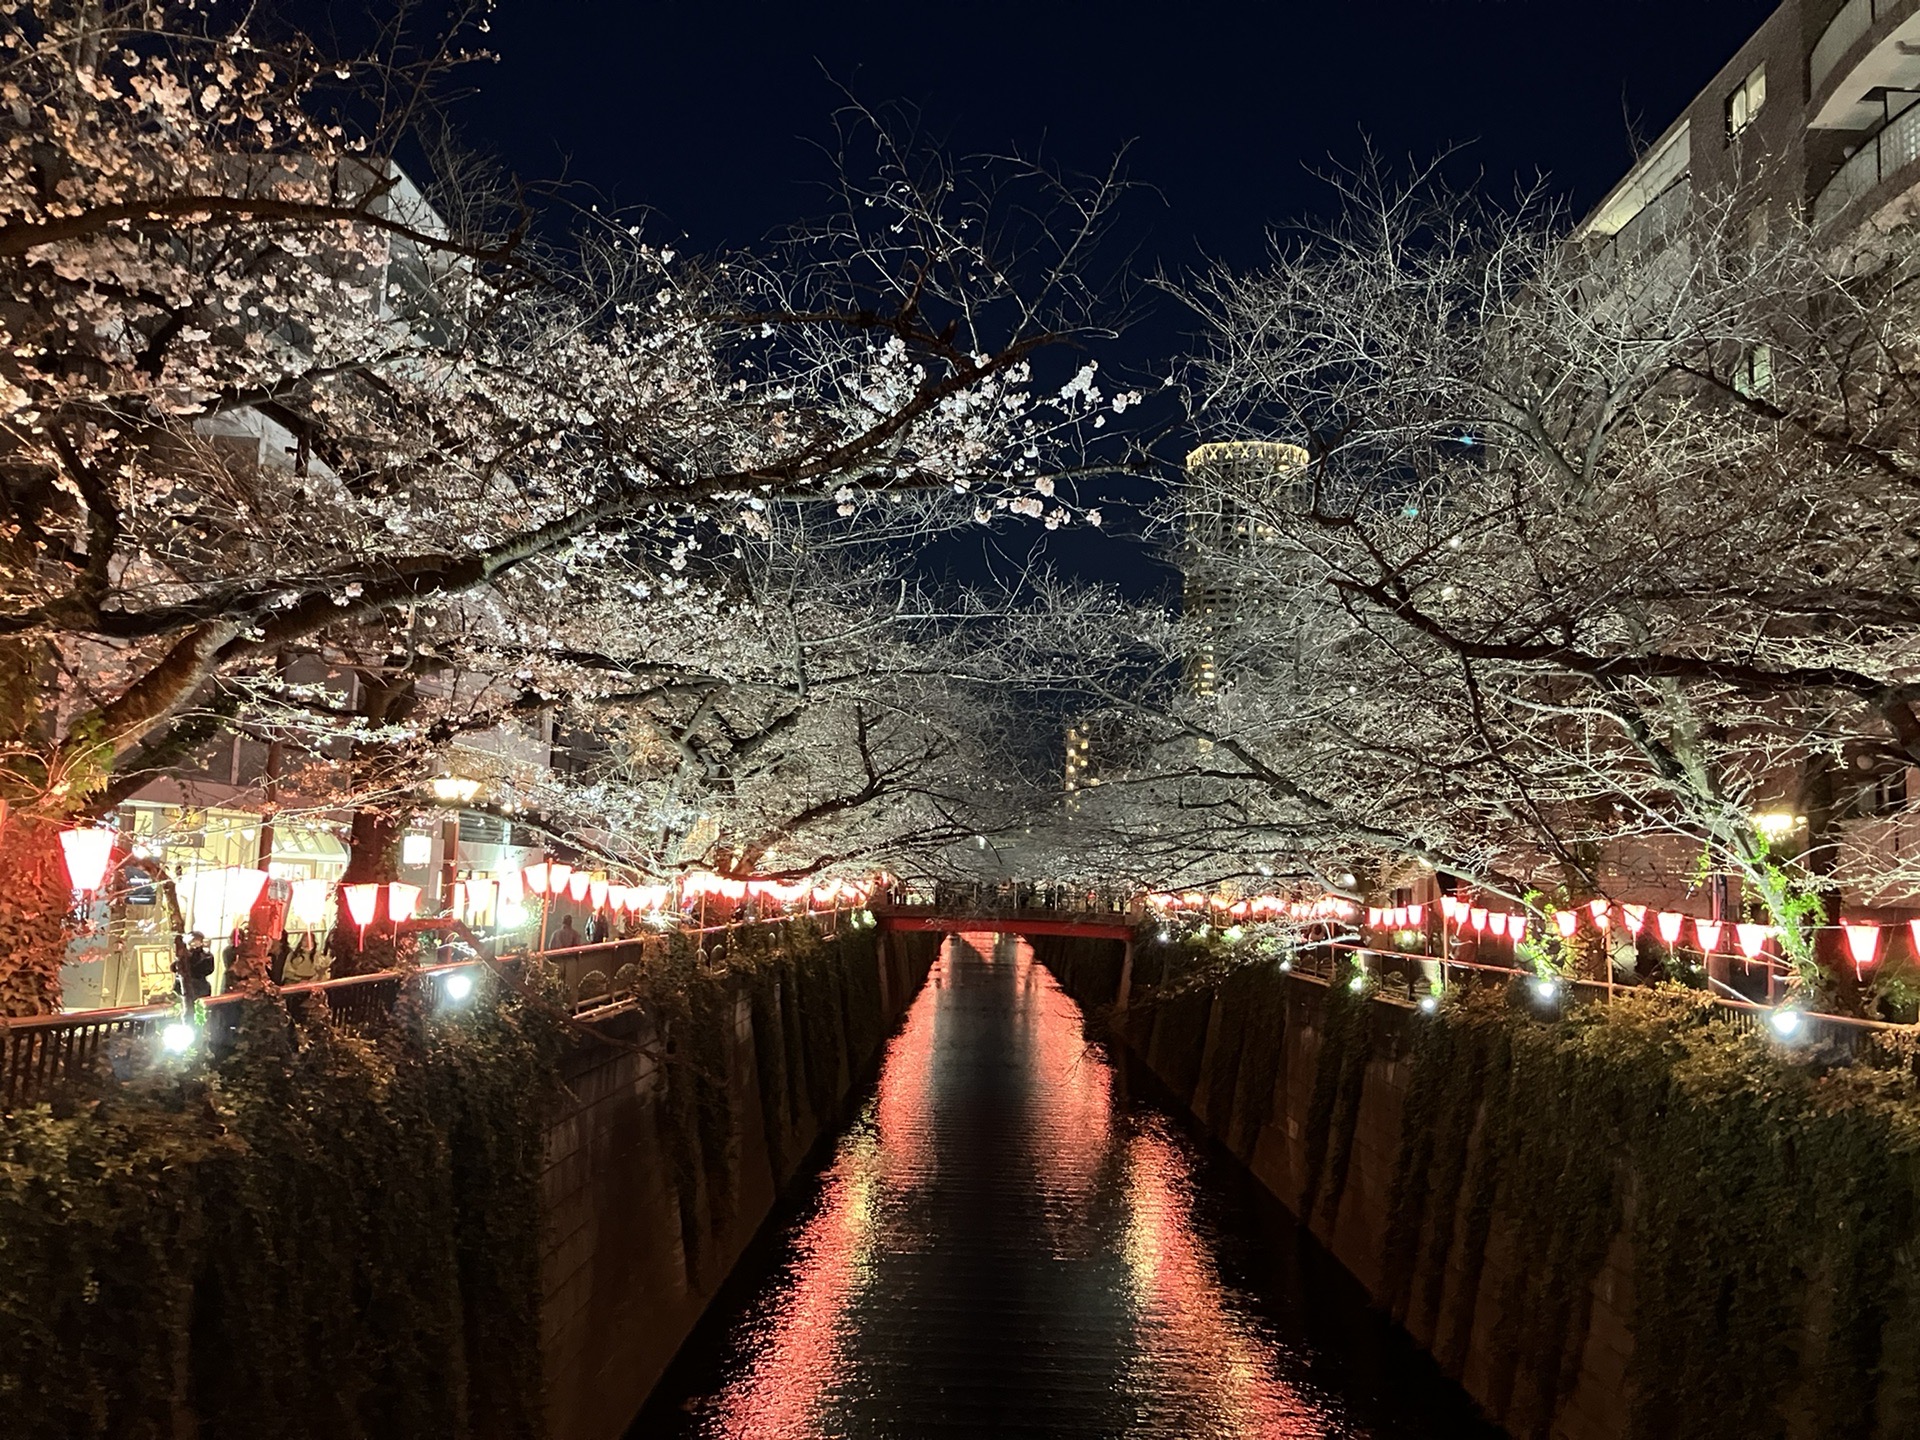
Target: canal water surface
(1007,1243)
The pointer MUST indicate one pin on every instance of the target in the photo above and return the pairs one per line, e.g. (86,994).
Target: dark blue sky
(711,114)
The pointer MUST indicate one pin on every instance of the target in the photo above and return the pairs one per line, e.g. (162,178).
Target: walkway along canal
(1009,1242)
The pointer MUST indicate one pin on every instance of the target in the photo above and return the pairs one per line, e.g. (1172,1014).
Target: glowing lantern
(1478,917)
(558,878)
(1375,916)
(1598,908)
(535,878)
(1416,915)
(597,892)
(1636,918)
(87,853)
(1669,922)
(479,897)
(401,899)
(1753,939)
(1914,926)
(362,901)
(1517,929)
(241,888)
(1707,932)
(309,903)
(1449,908)
(1497,923)
(513,889)
(1567,921)
(578,884)
(1863,941)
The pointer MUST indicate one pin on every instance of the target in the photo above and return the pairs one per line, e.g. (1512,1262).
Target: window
(1743,106)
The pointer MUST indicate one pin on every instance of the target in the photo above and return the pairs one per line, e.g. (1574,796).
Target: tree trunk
(374,859)
(35,905)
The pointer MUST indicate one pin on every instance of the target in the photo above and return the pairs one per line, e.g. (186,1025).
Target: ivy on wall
(320,1233)
(1766,1202)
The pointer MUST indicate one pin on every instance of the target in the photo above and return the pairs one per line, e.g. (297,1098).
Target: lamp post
(453,793)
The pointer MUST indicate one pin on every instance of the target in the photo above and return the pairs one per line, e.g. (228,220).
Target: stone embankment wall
(1504,1187)
(679,1128)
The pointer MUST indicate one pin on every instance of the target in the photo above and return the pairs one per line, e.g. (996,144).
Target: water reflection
(1003,1245)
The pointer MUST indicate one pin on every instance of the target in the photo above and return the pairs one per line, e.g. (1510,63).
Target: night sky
(712,115)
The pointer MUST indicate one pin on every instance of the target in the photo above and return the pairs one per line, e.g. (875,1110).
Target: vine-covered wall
(1632,1220)
(322,1234)
(681,1127)
(481,1222)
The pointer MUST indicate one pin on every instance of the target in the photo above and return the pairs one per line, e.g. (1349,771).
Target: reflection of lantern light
(241,888)
(1669,922)
(1598,908)
(1478,917)
(1753,939)
(598,890)
(1635,916)
(309,903)
(361,902)
(1708,934)
(1517,929)
(577,883)
(87,853)
(1497,923)
(512,888)
(401,898)
(1567,922)
(1863,941)
(536,878)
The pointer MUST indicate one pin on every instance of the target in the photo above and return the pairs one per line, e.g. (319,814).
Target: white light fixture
(1786,1023)
(1286,965)
(1429,1003)
(453,789)
(1357,984)
(416,850)
(1546,991)
(459,985)
(177,1038)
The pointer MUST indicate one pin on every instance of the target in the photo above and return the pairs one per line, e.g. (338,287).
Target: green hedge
(322,1234)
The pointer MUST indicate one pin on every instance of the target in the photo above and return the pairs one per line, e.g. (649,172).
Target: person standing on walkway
(568,937)
(193,969)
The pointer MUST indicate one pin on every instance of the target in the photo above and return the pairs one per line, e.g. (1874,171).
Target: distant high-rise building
(1221,534)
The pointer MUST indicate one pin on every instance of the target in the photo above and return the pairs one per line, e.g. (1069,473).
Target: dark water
(1006,1243)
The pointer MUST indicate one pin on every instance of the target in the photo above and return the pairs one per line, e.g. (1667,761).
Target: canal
(1011,1241)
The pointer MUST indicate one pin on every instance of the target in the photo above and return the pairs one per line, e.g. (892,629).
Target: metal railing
(1890,151)
(41,1054)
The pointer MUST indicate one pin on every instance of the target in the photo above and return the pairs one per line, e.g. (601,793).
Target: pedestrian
(277,955)
(568,938)
(598,931)
(303,961)
(193,969)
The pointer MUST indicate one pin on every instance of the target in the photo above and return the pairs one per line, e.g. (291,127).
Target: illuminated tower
(1228,484)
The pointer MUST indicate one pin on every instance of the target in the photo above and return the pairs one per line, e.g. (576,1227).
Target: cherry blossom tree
(264,393)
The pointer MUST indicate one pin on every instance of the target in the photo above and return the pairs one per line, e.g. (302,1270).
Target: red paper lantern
(1567,921)
(1478,917)
(362,901)
(1517,928)
(1497,923)
(87,853)
(577,883)
(1669,922)
(558,876)
(241,888)
(1863,940)
(1636,918)
(1708,934)
(535,878)
(597,890)
(1753,939)
(401,899)
(1416,915)
(1598,909)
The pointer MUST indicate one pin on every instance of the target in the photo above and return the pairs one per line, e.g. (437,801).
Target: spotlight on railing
(177,1038)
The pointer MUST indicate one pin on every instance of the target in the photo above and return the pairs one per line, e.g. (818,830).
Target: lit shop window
(1743,106)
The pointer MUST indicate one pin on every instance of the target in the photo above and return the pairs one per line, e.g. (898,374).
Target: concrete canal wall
(1508,1250)
(678,1130)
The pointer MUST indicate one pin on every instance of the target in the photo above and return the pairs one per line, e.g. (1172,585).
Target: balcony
(1880,158)
(1870,47)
